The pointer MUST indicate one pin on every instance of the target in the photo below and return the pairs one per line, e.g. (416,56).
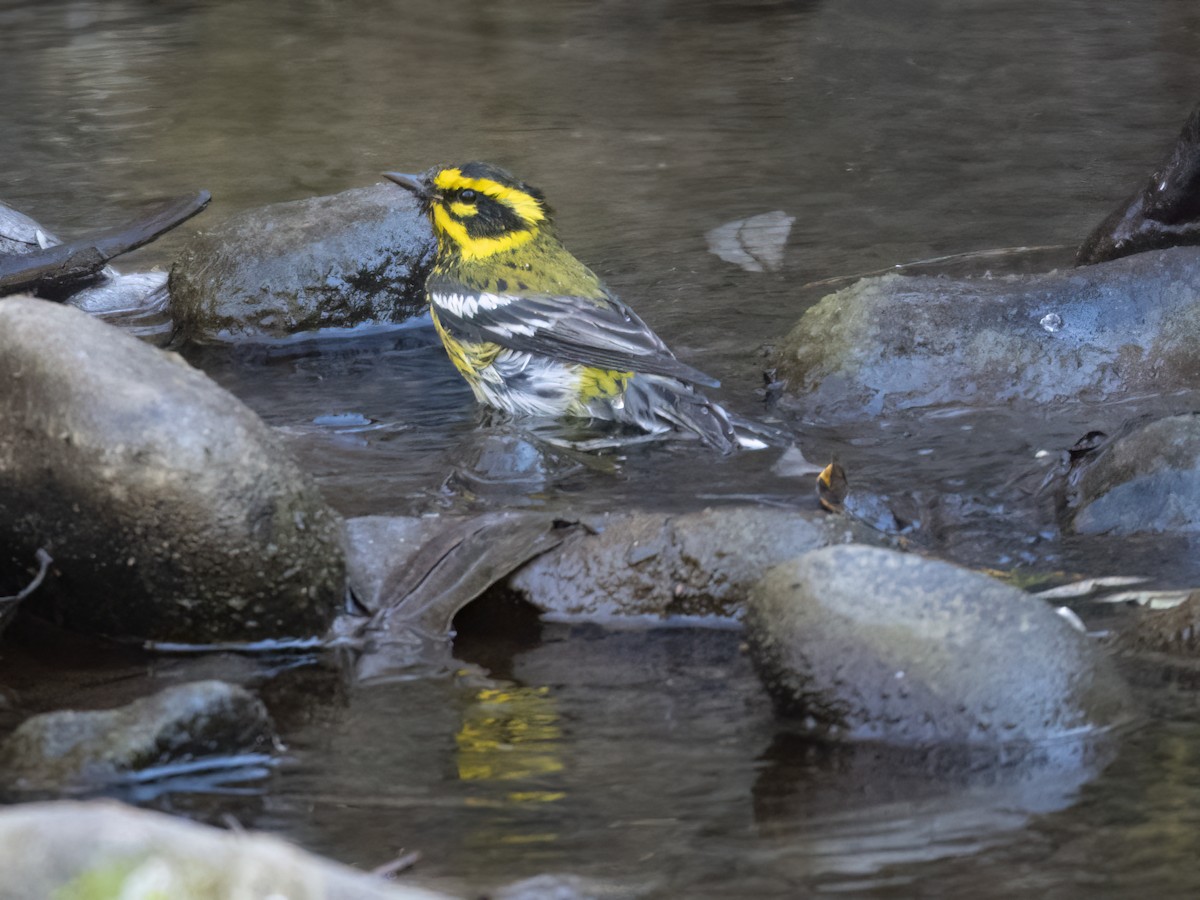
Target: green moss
(146,878)
(102,883)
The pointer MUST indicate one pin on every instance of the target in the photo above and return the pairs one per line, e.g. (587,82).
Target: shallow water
(892,132)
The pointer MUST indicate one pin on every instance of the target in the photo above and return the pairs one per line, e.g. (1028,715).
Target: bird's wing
(597,331)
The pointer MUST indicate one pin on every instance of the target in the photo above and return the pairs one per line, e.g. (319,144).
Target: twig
(79,259)
(397,865)
(44,560)
(270,645)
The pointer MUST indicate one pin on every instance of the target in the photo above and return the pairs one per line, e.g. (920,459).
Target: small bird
(535,332)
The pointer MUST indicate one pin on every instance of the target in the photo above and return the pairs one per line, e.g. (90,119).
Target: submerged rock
(1146,480)
(1164,212)
(170,510)
(101,849)
(703,563)
(870,644)
(1093,334)
(64,749)
(327,262)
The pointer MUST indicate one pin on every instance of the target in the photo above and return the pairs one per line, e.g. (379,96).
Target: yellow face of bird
(478,210)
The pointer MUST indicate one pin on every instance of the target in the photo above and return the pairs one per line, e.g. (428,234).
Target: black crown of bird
(536,333)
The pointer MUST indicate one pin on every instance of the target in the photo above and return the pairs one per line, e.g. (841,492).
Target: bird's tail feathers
(654,402)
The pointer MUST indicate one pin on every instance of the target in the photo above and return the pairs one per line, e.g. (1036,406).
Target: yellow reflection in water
(510,733)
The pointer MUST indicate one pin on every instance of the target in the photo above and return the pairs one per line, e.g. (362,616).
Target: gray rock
(64,749)
(1147,480)
(19,233)
(326,262)
(170,510)
(103,849)
(1093,334)
(872,644)
(653,564)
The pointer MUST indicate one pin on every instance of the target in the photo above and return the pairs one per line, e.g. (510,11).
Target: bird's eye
(467,196)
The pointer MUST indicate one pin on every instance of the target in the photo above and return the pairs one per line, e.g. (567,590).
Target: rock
(1145,480)
(65,749)
(870,644)
(1093,334)
(1164,212)
(101,849)
(123,294)
(327,262)
(703,563)
(170,510)
(20,234)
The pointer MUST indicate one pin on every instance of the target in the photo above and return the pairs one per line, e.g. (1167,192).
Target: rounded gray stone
(1093,334)
(170,510)
(872,644)
(701,563)
(204,718)
(326,262)
(106,849)
(1147,480)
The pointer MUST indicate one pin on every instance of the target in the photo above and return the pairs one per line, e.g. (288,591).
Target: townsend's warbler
(535,332)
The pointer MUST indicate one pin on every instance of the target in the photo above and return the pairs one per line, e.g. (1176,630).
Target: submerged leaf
(756,244)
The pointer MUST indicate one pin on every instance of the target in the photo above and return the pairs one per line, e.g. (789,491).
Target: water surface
(891,132)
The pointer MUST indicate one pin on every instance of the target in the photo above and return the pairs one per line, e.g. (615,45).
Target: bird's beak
(412,183)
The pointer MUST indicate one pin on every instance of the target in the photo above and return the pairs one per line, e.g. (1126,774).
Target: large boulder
(653,564)
(1098,333)
(170,510)
(1145,480)
(327,262)
(864,643)
(68,748)
(101,849)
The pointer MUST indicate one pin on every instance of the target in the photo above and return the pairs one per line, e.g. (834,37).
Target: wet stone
(1145,480)
(102,849)
(170,510)
(67,748)
(651,564)
(863,643)
(1096,334)
(354,258)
